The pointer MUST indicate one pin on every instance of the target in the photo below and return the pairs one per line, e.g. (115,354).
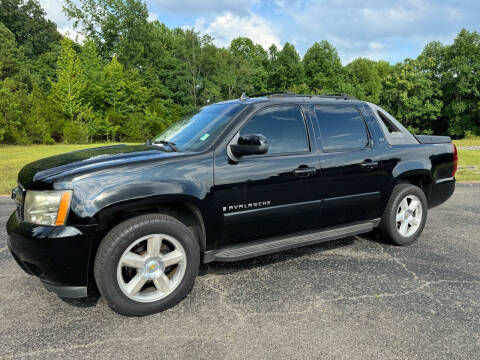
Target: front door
(261,196)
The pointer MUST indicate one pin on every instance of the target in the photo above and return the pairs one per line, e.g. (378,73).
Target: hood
(89,159)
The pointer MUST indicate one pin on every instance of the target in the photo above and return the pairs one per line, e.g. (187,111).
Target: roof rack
(287,93)
(338,96)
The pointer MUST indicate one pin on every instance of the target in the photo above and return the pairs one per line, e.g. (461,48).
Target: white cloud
(375,45)
(53,8)
(152,16)
(357,27)
(226,27)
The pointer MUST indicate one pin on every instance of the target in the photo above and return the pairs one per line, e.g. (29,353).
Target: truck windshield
(198,130)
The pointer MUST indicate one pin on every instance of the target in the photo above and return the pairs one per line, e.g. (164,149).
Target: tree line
(131,77)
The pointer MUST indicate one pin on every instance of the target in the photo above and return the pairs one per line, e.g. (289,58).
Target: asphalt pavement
(355,298)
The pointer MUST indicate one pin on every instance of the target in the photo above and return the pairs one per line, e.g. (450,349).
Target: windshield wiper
(170,144)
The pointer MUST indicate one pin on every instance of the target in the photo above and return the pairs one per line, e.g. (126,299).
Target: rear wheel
(146,264)
(405,215)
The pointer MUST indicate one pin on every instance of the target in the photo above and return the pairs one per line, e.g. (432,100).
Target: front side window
(283,126)
(198,130)
(341,128)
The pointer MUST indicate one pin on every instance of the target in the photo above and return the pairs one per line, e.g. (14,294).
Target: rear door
(351,169)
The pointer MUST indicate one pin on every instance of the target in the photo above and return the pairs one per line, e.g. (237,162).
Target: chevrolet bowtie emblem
(152,267)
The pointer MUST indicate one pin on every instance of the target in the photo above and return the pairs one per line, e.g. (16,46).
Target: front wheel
(146,264)
(405,215)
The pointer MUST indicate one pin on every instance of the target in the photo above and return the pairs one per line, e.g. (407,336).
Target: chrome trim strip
(373,194)
(272,208)
(445,180)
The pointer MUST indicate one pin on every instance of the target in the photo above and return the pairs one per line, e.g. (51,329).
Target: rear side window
(389,125)
(394,132)
(283,126)
(341,128)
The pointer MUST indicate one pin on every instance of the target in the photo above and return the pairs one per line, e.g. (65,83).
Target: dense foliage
(131,77)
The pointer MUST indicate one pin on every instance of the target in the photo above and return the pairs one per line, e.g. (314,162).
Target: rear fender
(412,167)
(415,169)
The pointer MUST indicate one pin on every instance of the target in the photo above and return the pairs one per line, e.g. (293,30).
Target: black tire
(119,239)
(388,225)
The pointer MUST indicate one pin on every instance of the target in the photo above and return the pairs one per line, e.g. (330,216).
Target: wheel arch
(421,177)
(184,208)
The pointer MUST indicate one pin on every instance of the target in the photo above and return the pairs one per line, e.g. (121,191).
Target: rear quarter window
(394,132)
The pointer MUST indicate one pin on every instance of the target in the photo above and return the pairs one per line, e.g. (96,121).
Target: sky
(376,29)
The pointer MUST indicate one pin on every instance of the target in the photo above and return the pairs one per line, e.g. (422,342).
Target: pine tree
(70,84)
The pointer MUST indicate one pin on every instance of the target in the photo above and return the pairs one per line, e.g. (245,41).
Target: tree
(117,27)
(165,73)
(248,63)
(131,77)
(90,71)
(363,75)
(44,122)
(12,60)
(323,69)
(67,90)
(197,51)
(13,103)
(412,97)
(461,84)
(286,69)
(26,20)
(114,95)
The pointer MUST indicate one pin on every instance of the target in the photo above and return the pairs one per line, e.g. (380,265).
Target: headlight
(47,207)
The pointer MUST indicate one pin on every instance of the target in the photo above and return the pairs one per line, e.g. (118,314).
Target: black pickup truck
(233,180)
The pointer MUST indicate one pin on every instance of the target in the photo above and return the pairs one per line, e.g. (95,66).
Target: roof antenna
(243,97)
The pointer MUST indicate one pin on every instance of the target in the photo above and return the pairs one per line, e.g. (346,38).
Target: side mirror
(254,144)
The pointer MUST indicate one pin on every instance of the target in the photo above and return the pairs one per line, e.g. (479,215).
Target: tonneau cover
(432,139)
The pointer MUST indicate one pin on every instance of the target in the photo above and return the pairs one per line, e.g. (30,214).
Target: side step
(285,242)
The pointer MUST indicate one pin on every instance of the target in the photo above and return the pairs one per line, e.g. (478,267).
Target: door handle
(369,164)
(304,171)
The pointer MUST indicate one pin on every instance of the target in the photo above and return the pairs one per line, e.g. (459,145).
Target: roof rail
(338,96)
(288,93)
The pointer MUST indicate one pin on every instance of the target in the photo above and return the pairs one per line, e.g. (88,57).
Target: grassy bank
(14,157)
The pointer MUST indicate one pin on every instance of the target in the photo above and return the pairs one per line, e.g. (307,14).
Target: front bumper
(59,256)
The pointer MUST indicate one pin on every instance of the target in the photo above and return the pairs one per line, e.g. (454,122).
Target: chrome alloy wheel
(151,268)
(409,215)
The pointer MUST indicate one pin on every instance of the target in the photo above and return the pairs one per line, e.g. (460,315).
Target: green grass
(14,157)
(468,165)
(468,160)
(473,141)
